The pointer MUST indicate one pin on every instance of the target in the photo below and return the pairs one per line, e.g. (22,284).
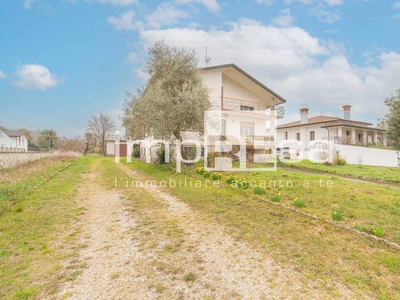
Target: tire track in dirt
(166,250)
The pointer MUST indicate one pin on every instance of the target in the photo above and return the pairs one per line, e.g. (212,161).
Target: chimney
(304,115)
(346,112)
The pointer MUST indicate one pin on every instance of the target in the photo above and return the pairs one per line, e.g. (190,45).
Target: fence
(11,149)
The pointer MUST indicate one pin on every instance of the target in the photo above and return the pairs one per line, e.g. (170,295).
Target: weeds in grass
(337,216)
(243,183)
(259,191)
(371,229)
(200,170)
(189,277)
(206,174)
(231,179)
(216,176)
(74,275)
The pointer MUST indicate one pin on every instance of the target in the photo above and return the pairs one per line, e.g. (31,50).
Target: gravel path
(150,245)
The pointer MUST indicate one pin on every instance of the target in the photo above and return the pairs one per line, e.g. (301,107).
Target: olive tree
(392,118)
(174,98)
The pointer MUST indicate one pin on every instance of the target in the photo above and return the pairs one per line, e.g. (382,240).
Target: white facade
(5,140)
(244,102)
(13,141)
(297,137)
(245,105)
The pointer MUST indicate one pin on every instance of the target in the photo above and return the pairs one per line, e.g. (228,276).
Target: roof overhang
(354,126)
(244,79)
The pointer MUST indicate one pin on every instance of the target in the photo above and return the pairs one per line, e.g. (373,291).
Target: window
(223,127)
(347,133)
(246,108)
(298,136)
(286,135)
(312,135)
(246,128)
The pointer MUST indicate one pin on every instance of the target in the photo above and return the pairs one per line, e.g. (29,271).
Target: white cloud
(120,2)
(298,66)
(165,15)
(27,4)
(308,2)
(126,20)
(324,15)
(211,5)
(266,2)
(2,75)
(34,76)
(284,19)
(396,5)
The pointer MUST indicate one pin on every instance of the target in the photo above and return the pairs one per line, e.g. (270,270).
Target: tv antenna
(207,59)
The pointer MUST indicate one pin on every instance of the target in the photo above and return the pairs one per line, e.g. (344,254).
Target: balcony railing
(250,107)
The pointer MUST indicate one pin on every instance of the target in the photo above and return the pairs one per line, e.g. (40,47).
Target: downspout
(222,97)
(329,156)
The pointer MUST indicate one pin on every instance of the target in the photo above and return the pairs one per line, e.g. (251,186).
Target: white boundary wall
(370,156)
(12,159)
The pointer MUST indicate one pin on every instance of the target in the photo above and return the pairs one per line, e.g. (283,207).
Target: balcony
(250,107)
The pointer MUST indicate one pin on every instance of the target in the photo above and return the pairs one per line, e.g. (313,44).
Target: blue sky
(62,61)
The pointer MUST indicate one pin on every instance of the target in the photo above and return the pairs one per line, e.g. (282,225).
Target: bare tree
(35,136)
(98,128)
(76,144)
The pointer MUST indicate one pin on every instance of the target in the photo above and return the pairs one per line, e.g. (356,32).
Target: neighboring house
(246,104)
(12,140)
(343,131)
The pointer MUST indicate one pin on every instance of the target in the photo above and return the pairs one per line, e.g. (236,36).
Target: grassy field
(35,225)
(321,251)
(37,231)
(372,173)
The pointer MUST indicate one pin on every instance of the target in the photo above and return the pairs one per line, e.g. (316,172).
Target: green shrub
(298,203)
(259,191)
(337,216)
(136,151)
(160,156)
(206,174)
(276,198)
(338,160)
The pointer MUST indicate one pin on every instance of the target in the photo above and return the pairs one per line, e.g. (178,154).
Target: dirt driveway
(146,244)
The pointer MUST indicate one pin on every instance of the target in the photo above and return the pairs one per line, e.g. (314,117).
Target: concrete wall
(370,156)
(11,159)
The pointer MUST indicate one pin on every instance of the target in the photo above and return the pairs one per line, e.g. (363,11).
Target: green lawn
(34,225)
(356,171)
(321,251)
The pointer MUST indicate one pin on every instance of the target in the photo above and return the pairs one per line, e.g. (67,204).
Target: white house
(12,140)
(245,104)
(342,131)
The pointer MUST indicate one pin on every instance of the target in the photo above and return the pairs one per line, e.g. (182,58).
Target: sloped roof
(328,122)
(17,133)
(243,78)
